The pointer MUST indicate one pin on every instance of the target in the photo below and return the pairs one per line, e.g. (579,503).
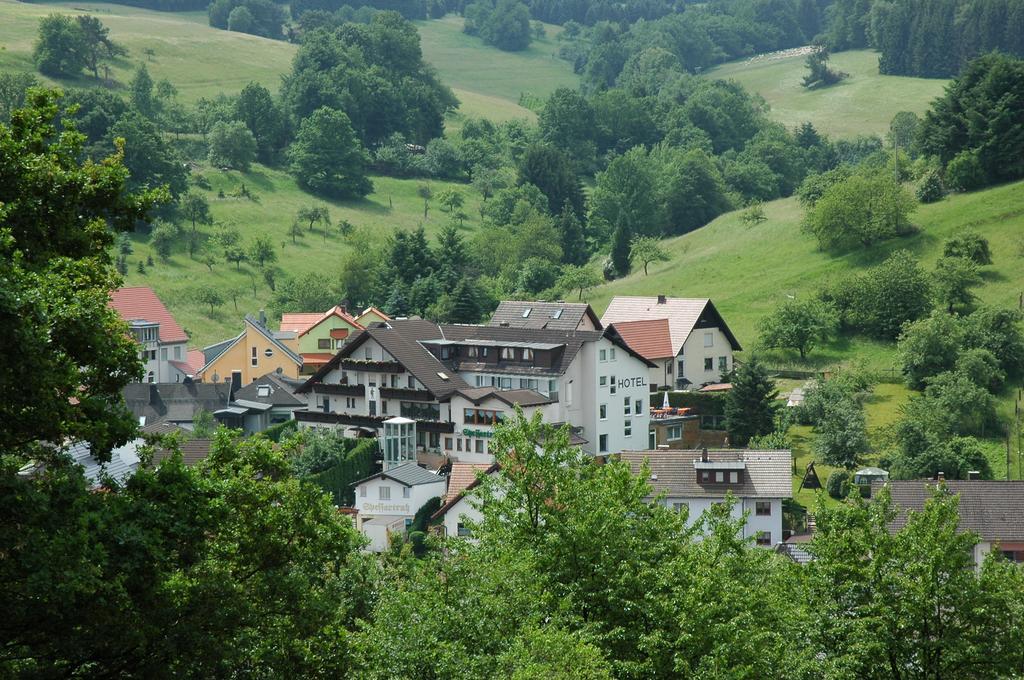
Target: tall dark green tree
(60,46)
(750,404)
(327,158)
(552,171)
(262,115)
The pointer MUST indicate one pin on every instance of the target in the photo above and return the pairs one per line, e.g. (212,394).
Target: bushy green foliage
(327,158)
(799,324)
(502,23)
(820,74)
(332,461)
(970,245)
(932,188)
(258,17)
(880,300)
(232,145)
(373,73)
(860,211)
(838,484)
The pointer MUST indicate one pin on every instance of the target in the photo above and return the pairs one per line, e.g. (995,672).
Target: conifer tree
(750,404)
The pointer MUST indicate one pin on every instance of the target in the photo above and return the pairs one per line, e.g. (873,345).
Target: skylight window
(526,312)
(442,375)
(263,391)
(557,314)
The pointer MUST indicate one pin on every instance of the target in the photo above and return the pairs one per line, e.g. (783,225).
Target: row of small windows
(629,408)
(384,492)
(506,353)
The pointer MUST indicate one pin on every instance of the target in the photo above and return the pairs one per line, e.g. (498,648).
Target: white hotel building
(458,381)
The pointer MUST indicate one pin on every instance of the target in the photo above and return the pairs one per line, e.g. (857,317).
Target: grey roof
(282,391)
(160,428)
(409,474)
(124,461)
(174,402)
(192,451)
(768,474)
(992,509)
(510,397)
(872,471)
(213,351)
(552,315)
(407,339)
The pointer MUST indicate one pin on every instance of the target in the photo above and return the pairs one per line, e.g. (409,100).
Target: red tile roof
(651,338)
(196,359)
(142,304)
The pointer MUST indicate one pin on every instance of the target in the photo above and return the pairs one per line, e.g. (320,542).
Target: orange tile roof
(142,304)
(303,322)
(651,338)
(297,322)
(317,358)
(461,476)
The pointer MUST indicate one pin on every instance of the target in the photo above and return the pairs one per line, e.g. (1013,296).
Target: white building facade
(459,382)
(695,481)
(387,502)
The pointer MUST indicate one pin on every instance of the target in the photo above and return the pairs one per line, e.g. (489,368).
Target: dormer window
(527,355)
(508,353)
(471,352)
(445,352)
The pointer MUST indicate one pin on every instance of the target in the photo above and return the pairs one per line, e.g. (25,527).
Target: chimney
(973,474)
(263,318)
(503,324)
(704,455)
(236,384)
(941,477)
(662,300)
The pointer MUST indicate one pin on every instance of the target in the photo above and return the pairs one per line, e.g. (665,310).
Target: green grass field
(494,78)
(864,103)
(393,205)
(199,60)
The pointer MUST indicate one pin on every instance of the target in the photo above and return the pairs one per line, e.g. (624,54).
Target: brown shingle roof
(192,451)
(767,474)
(565,316)
(992,509)
(510,397)
(650,337)
(142,304)
(453,499)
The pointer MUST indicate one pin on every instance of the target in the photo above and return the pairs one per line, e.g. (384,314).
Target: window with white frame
(679,507)
(638,407)
(763,508)
(602,443)
(384,493)
(627,428)
(527,355)
(362,491)
(602,355)
(406,492)
(508,353)
(602,411)
(253,357)
(674,433)
(709,364)
(627,406)
(611,385)
(611,354)
(764,538)
(463,531)
(603,381)
(723,364)
(709,339)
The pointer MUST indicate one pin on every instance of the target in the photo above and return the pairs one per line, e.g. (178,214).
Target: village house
(318,335)
(460,507)
(255,351)
(387,502)
(162,342)
(992,509)
(686,339)
(694,481)
(458,381)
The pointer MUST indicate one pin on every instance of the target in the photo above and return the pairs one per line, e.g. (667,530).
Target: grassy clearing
(468,65)
(199,60)
(748,271)
(393,205)
(864,103)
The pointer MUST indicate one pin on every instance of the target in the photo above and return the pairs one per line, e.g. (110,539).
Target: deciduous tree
(800,324)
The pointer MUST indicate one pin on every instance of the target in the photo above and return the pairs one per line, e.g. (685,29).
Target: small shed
(865,476)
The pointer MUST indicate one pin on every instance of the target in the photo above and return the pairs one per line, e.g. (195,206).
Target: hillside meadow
(394,204)
(862,104)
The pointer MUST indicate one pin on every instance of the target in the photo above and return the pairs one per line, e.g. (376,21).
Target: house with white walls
(694,481)
(387,502)
(686,339)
